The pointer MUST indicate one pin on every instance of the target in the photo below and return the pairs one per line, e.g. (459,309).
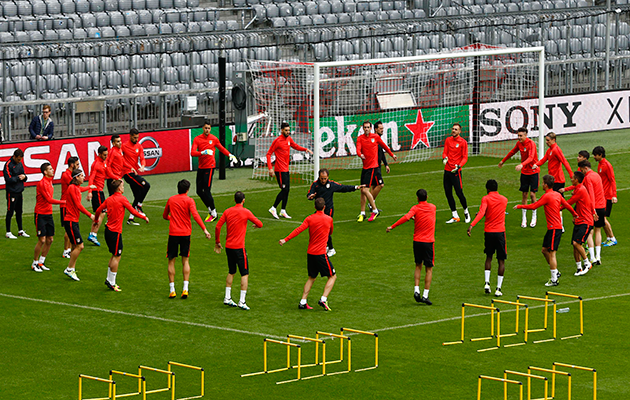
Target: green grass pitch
(54,329)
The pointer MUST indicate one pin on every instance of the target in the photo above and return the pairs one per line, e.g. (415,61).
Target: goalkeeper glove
(456,168)
(233,158)
(445,160)
(207,152)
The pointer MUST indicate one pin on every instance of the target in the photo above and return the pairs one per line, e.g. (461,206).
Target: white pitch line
(128,314)
(482,314)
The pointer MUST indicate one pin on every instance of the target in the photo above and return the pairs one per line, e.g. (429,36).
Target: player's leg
(500,276)
(67,246)
(19,202)
(610,236)
(417,275)
(98,197)
(501,251)
(307,289)
(597,240)
(231,259)
(115,246)
(428,277)
(203,190)
(331,250)
(325,269)
(112,271)
(184,251)
(41,241)
(533,188)
(171,277)
(313,270)
(330,283)
(140,188)
(9,215)
(72,229)
(458,185)
(286,187)
(486,273)
(243,268)
(133,183)
(375,180)
(524,212)
(448,191)
(426,257)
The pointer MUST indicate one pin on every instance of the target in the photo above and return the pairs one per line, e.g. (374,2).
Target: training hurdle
(529,382)
(492,335)
(559,364)
(176,364)
(342,337)
(111,387)
(518,306)
(375,346)
(142,384)
(288,367)
(170,380)
(571,296)
(317,342)
(544,328)
(553,379)
(505,385)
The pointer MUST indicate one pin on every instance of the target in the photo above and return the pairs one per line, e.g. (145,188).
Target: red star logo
(420,130)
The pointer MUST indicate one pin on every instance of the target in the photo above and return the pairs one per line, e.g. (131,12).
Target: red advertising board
(165,151)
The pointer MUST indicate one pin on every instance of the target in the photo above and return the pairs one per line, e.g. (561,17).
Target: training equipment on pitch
(492,335)
(342,337)
(489,91)
(142,384)
(529,382)
(515,333)
(375,346)
(111,387)
(176,364)
(170,380)
(288,367)
(554,372)
(505,386)
(571,296)
(317,363)
(559,364)
(544,328)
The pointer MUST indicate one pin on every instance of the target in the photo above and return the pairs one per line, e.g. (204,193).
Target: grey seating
(125,5)
(285,10)
(10,9)
(102,19)
(272,11)
(111,5)
(180,3)
(131,18)
(97,6)
(82,6)
(24,8)
(350,6)
(139,5)
(331,19)
(166,3)
(64,34)
(152,4)
(311,8)
(122,31)
(53,7)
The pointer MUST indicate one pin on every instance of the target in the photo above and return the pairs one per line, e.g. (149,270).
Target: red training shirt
(593,183)
(115,164)
(583,206)
(181,207)
(97,174)
(210,142)
(423,214)
(493,206)
(133,155)
(607,173)
(456,149)
(367,145)
(73,204)
(320,226)
(556,160)
(115,206)
(281,146)
(529,156)
(44,198)
(235,218)
(553,202)
(66,178)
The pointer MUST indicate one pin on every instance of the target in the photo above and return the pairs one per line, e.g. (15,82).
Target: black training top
(11,172)
(326,191)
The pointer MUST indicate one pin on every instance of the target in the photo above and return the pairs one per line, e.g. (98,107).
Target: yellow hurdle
(170,380)
(342,337)
(317,342)
(288,346)
(142,384)
(176,364)
(492,335)
(375,346)
(571,296)
(559,364)
(529,382)
(505,385)
(111,387)
(515,333)
(553,380)
(546,301)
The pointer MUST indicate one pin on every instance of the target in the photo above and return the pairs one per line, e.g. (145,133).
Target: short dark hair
(421,194)
(458,124)
(72,160)
(183,186)
(584,163)
(599,151)
(579,175)
(492,185)
(320,203)
(206,121)
(134,131)
(377,123)
(522,129)
(284,124)
(44,167)
(366,122)
(548,180)
(101,149)
(239,197)
(116,184)
(323,171)
(114,137)
(584,154)
(18,153)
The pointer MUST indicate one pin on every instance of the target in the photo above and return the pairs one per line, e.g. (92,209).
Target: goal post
(489,91)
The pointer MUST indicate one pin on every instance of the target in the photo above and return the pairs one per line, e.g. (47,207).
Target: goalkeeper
(204,147)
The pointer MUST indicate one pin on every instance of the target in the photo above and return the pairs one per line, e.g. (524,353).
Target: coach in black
(14,178)
(325,188)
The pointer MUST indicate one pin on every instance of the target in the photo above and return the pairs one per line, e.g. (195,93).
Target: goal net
(490,92)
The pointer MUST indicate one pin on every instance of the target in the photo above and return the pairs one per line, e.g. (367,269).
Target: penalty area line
(128,314)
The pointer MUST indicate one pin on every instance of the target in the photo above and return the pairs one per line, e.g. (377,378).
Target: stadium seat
(24,8)
(323,7)
(10,9)
(97,6)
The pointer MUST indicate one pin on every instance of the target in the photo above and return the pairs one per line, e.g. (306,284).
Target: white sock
(465,211)
(131,216)
(534,214)
(587,264)
(613,239)
(109,275)
(598,252)
(228,292)
(591,252)
(243,294)
(455,215)
(273,208)
(171,285)
(524,212)
(113,279)
(67,250)
(185,286)
(303,301)
(139,204)
(69,269)
(579,264)
(283,211)
(210,210)
(375,210)
(416,289)
(42,259)
(362,212)
(554,275)
(35,264)
(425,294)
(499,281)
(323,299)
(214,213)
(487,275)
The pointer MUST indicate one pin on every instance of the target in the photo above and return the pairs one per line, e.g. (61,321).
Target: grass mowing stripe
(391,328)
